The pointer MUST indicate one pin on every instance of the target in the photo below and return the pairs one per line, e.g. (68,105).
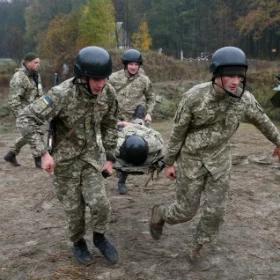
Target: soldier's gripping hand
(107,169)
(148,118)
(48,163)
(276,152)
(170,172)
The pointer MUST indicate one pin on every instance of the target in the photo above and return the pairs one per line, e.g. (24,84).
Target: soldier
(84,113)
(25,87)
(207,117)
(134,89)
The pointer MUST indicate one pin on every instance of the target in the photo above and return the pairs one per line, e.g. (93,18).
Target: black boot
(105,247)
(11,157)
(81,252)
(139,112)
(122,189)
(37,161)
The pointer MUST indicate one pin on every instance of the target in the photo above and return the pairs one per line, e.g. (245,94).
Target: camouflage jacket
(153,139)
(131,92)
(85,124)
(23,90)
(205,121)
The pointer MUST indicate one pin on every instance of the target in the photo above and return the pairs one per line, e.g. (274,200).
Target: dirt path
(33,244)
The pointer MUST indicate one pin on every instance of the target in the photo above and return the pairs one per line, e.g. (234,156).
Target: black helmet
(134,150)
(93,62)
(132,55)
(229,61)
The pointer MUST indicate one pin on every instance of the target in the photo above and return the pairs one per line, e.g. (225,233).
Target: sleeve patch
(42,106)
(48,100)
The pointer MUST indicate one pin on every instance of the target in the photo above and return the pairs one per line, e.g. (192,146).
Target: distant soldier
(133,89)
(207,117)
(83,110)
(25,87)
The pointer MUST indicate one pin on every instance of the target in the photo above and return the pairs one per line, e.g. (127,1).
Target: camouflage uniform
(24,89)
(132,91)
(81,121)
(204,123)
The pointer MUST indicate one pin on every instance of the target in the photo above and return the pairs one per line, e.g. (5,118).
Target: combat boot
(11,157)
(156,222)
(81,252)
(37,161)
(105,247)
(122,188)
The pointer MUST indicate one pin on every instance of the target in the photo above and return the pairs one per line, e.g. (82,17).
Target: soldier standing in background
(133,87)
(25,87)
(134,90)
(84,113)
(207,117)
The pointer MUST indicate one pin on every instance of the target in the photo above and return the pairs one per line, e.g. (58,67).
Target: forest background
(176,37)
(190,26)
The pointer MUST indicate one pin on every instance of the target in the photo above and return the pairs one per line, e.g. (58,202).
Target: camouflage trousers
(27,139)
(193,179)
(78,184)
(20,142)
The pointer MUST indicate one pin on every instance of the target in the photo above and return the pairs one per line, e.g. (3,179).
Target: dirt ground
(32,228)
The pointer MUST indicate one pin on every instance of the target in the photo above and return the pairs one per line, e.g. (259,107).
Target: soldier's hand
(170,172)
(122,124)
(276,152)
(107,169)
(148,118)
(48,163)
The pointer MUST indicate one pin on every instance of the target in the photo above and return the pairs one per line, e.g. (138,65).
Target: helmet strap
(85,85)
(227,91)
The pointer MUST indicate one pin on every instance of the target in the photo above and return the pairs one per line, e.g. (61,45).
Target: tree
(39,14)
(12,27)
(60,44)
(97,24)
(142,39)
(259,27)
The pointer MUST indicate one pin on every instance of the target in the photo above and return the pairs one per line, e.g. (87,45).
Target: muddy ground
(32,226)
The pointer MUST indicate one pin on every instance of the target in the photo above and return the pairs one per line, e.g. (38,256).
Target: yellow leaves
(59,42)
(93,24)
(142,39)
(97,24)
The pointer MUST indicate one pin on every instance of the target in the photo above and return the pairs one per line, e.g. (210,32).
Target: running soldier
(25,87)
(207,117)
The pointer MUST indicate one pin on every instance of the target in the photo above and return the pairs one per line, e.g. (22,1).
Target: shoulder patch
(42,106)
(48,100)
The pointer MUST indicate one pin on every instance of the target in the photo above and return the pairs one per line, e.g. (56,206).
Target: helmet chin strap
(85,85)
(227,91)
